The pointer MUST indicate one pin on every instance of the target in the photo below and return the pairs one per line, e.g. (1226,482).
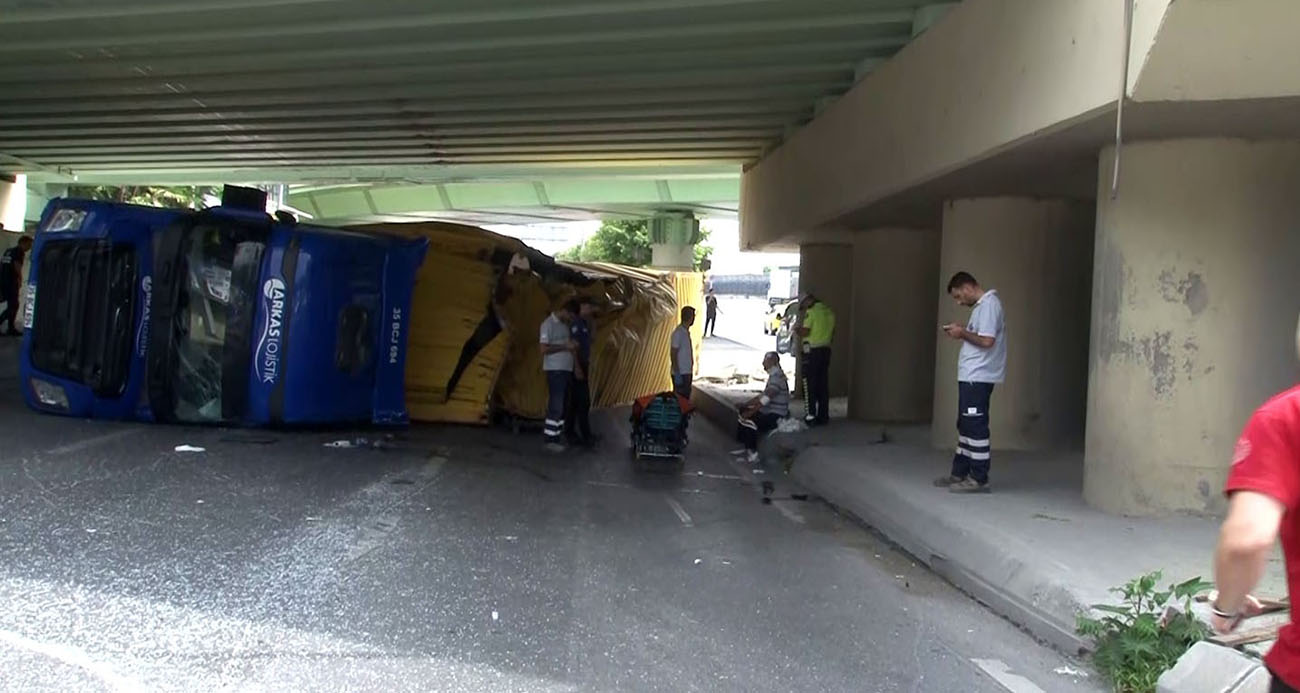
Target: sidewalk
(1032,550)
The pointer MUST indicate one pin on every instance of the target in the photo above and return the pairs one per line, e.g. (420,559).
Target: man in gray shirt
(764,412)
(558,349)
(981,364)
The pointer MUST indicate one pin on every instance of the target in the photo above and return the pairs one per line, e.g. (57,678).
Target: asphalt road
(461,560)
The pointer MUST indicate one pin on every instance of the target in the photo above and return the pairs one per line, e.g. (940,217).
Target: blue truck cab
(226,316)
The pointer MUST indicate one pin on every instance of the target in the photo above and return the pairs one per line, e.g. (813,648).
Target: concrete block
(1258,681)
(1208,668)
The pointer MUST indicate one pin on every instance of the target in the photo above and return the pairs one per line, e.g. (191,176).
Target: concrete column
(1036,254)
(13,201)
(894,319)
(672,242)
(826,270)
(1193,316)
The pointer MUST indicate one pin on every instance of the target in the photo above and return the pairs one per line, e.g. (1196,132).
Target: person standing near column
(11,273)
(710,314)
(578,420)
(981,364)
(682,354)
(816,329)
(558,349)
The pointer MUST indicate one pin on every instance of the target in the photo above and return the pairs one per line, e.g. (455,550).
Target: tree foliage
(626,243)
(175,197)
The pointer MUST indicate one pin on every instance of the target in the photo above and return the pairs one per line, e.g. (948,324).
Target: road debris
(190,448)
(356,443)
(1068,670)
(496,616)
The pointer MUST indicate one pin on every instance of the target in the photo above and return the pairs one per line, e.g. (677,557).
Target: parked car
(785,331)
(225,316)
(776,312)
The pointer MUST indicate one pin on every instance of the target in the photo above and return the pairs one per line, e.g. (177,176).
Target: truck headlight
(49,394)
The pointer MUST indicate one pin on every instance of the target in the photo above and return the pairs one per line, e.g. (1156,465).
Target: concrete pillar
(826,270)
(894,319)
(1193,316)
(1036,254)
(13,201)
(672,242)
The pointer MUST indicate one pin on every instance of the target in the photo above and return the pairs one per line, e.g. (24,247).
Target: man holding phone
(981,364)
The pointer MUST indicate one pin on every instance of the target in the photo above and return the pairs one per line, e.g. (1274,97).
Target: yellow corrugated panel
(454,290)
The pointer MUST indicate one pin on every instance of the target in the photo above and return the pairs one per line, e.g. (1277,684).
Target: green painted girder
(591,194)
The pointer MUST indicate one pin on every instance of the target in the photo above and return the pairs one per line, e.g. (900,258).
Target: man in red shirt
(1264,501)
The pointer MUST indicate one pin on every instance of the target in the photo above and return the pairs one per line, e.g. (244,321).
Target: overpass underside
(1148,280)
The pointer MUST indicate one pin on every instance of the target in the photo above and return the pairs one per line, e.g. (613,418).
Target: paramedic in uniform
(558,349)
(816,330)
(1263,490)
(981,364)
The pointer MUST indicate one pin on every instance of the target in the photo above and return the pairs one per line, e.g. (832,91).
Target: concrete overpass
(1125,180)
(629,98)
(1148,284)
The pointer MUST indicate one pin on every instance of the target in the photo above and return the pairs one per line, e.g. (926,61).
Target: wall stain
(1153,352)
(1190,351)
(1112,278)
(1189,291)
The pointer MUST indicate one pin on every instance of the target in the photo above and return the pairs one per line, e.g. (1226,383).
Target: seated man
(764,412)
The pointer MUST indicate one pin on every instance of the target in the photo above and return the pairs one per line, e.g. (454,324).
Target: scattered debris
(1041,516)
(791,426)
(199,501)
(311,518)
(1070,671)
(757,471)
(699,561)
(496,616)
(91,530)
(190,448)
(351,443)
(510,538)
(1238,638)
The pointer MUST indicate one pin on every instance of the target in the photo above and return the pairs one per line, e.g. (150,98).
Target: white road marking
(1000,672)
(681,512)
(92,442)
(72,656)
(790,513)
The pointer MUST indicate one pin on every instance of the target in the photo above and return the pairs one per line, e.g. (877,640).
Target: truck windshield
(217,274)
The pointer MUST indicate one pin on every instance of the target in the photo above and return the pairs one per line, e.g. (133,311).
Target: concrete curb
(1007,582)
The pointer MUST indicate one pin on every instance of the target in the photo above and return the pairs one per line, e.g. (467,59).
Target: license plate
(29,307)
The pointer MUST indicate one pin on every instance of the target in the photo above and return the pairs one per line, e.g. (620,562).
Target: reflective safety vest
(820,322)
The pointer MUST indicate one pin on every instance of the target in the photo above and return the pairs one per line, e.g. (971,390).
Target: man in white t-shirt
(981,364)
(558,349)
(682,354)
